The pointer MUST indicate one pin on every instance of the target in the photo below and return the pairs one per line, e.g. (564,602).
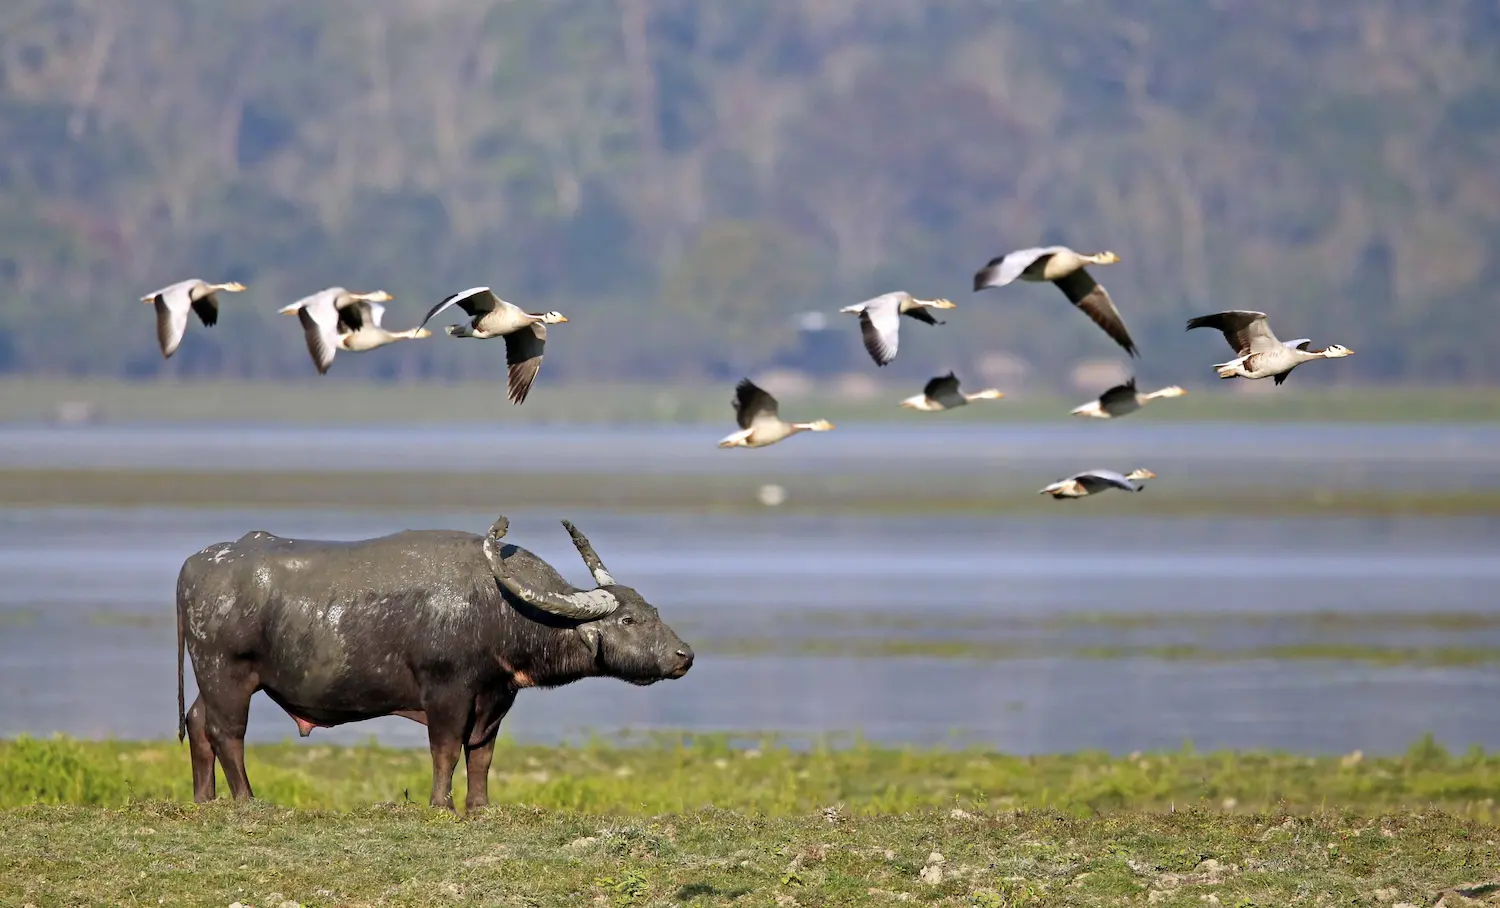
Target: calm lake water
(87,642)
(1256,454)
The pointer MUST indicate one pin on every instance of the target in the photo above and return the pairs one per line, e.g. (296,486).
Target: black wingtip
(985,275)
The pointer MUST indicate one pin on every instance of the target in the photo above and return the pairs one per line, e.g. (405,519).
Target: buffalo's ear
(590,633)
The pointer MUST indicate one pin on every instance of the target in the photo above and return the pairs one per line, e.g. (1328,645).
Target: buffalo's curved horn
(583,605)
(590,557)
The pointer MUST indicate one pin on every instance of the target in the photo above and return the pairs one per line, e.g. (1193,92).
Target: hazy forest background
(682,177)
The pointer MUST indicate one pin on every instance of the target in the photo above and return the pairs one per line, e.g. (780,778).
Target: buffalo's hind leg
(226,713)
(204,787)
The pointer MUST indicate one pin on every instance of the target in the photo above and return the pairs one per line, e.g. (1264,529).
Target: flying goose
(490,316)
(942,393)
(1122,400)
(173,303)
(1091,481)
(337,319)
(1065,268)
(1258,353)
(760,423)
(880,320)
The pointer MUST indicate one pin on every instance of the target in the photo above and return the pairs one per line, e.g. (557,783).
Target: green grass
(822,494)
(670,773)
(704,823)
(167,854)
(336,401)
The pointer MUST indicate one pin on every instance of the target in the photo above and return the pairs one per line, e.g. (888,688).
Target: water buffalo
(438,626)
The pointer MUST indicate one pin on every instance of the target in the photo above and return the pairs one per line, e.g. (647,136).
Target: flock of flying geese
(338,319)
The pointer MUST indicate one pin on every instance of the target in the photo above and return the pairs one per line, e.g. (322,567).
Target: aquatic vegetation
(1449,638)
(953,494)
(17,617)
(997,651)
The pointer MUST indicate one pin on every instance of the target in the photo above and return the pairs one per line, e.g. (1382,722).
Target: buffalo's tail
(181,703)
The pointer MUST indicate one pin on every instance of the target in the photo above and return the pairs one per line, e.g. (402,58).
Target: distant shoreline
(700,493)
(53,401)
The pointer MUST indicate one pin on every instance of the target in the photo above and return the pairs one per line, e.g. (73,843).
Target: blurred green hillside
(681,177)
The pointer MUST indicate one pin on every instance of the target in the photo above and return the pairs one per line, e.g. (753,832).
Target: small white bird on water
(172,305)
(1122,400)
(1092,481)
(880,320)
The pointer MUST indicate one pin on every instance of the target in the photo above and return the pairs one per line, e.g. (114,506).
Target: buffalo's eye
(627,619)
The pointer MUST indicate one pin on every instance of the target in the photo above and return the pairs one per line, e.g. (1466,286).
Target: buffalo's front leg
(204,787)
(479,749)
(477,761)
(449,718)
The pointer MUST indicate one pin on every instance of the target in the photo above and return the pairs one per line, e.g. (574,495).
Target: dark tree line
(682,177)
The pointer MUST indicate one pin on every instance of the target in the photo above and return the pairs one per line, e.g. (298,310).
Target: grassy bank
(336,401)
(708,824)
(677,774)
(167,854)
(822,494)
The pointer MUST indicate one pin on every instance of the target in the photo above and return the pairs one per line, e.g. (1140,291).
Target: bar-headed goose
(1065,268)
(490,316)
(1091,481)
(760,423)
(337,319)
(1123,399)
(172,305)
(880,320)
(1258,353)
(942,393)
